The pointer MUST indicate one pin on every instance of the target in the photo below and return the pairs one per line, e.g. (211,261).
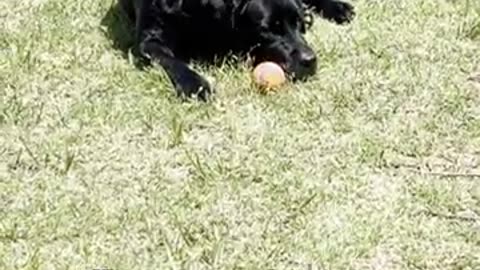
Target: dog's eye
(277,26)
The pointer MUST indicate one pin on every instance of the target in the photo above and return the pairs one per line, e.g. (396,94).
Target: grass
(102,167)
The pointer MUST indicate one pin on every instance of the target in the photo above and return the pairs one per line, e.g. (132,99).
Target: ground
(374,163)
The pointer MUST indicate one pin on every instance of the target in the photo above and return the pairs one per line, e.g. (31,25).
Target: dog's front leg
(157,45)
(336,10)
(186,81)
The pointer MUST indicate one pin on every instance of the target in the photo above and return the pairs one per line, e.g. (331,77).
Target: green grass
(102,167)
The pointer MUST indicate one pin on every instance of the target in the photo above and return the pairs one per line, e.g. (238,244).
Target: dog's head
(275,28)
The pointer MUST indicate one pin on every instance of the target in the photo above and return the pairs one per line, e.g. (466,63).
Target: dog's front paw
(193,85)
(341,12)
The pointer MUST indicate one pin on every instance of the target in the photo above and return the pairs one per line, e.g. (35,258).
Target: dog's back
(199,28)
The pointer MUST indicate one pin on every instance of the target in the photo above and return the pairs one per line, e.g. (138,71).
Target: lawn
(374,163)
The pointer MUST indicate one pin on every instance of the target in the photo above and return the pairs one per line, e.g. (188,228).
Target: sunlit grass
(102,167)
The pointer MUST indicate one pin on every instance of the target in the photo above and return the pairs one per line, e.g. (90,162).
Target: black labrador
(172,32)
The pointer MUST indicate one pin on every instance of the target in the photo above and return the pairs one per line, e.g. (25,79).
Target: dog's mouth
(293,74)
(293,67)
(296,72)
(285,68)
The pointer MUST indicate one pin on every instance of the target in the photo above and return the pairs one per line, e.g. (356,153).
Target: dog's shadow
(120,30)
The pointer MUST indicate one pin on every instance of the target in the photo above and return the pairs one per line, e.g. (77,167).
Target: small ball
(268,75)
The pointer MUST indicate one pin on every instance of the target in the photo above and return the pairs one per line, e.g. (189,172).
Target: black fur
(171,32)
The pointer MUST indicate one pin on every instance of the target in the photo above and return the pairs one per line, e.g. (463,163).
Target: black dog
(170,32)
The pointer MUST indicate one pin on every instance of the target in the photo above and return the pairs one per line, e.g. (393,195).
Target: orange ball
(268,75)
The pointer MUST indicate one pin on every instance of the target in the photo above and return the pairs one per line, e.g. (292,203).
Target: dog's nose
(308,59)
